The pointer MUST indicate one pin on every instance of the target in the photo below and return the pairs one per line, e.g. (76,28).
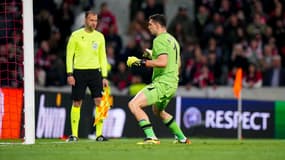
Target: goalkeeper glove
(134,61)
(147,53)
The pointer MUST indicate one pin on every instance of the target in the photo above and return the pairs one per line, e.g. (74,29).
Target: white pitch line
(60,142)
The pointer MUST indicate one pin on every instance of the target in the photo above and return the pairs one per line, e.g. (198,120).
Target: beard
(90,28)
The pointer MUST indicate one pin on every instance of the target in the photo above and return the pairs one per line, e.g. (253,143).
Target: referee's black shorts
(90,78)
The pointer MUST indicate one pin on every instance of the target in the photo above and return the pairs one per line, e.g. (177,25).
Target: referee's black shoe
(101,138)
(72,139)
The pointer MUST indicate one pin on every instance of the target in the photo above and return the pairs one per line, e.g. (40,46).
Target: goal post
(17,93)
(29,87)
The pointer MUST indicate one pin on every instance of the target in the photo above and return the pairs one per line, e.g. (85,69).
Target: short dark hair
(159,18)
(90,12)
(103,4)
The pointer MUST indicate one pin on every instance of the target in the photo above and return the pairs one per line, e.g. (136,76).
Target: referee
(86,65)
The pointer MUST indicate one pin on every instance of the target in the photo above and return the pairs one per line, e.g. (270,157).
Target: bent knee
(133,107)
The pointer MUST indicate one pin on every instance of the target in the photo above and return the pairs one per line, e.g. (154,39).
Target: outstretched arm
(161,61)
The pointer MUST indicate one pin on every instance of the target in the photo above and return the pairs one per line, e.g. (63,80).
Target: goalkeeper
(86,65)
(165,60)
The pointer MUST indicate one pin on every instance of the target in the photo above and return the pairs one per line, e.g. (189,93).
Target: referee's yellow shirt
(86,51)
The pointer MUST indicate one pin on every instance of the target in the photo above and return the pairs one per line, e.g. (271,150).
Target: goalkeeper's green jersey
(86,51)
(166,44)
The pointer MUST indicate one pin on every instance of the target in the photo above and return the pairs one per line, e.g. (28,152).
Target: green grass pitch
(127,149)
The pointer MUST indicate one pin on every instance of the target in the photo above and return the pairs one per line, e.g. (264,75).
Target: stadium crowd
(221,36)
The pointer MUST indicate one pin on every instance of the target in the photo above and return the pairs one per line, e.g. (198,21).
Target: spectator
(238,58)
(182,21)
(225,9)
(8,19)
(138,33)
(200,60)
(188,72)
(42,63)
(212,25)
(43,25)
(217,27)
(180,34)
(64,20)
(187,68)
(48,5)
(135,5)
(213,47)
(3,65)
(252,77)
(267,35)
(231,28)
(279,35)
(275,76)
(55,41)
(241,37)
(114,39)
(152,7)
(276,15)
(122,77)
(188,52)
(107,20)
(131,49)
(254,53)
(258,8)
(219,37)
(204,77)
(201,20)
(140,19)
(267,59)
(55,75)
(111,56)
(231,76)
(215,66)
(10,71)
(258,26)
(136,85)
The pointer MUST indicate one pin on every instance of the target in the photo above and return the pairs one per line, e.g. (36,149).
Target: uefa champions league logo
(192,117)
(95,45)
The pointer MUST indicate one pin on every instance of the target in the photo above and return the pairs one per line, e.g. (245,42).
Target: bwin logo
(51,121)
(192,117)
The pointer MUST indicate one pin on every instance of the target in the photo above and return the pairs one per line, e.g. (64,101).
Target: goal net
(16,72)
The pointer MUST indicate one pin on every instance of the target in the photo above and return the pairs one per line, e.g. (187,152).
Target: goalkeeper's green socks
(147,128)
(75,117)
(172,125)
(99,125)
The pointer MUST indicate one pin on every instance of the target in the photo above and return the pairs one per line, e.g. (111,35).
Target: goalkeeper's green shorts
(159,94)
